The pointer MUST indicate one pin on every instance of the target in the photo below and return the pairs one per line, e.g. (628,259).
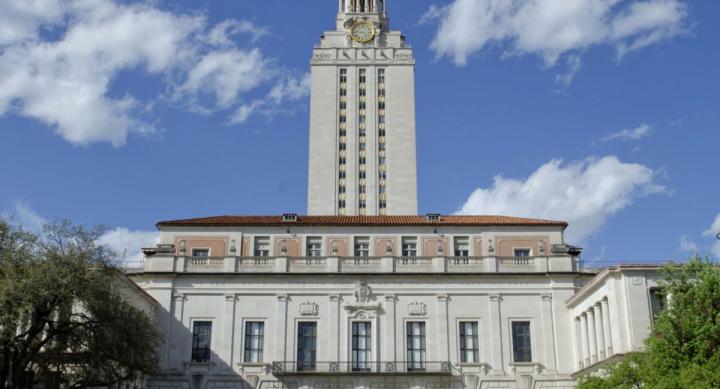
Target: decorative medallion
(362,292)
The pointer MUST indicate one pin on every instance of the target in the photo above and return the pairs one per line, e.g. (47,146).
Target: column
(175,357)
(388,339)
(592,337)
(443,325)
(228,330)
(548,324)
(281,330)
(606,327)
(584,339)
(599,331)
(496,357)
(334,326)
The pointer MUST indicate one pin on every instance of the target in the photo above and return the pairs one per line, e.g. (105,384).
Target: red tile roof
(239,221)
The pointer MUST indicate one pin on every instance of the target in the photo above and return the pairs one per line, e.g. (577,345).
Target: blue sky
(602,113)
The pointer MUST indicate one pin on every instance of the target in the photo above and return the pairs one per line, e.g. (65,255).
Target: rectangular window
(362,174)
(342,189)
(362,76)
(409,247)
(200,252)
(362,204)
(342,161)
(362,189)
(342,174)
(362,160)
(415,346)
(343,147)
(382,174)
(262,246)
(254,341)
(658,302)
(381,76)
(522,252)
(469,345)
(307,346)
(314,247)
(202,334)
(383,204)
(381,146)
(362,247)
(522,347)
(462,246)
(361,346)
(362,146)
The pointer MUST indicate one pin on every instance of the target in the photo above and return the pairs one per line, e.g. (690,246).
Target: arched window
(362,6)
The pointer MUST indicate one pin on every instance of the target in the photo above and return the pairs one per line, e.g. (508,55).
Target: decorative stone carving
(362,292)
(417,308)
(309,309)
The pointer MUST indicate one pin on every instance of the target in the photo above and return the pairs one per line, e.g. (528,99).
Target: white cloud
(128,244)
(574,64)
(585,194)
(24,216)
(637,133)
(688,246)
(293,88)
(58,61)
(713,232)
(551,28)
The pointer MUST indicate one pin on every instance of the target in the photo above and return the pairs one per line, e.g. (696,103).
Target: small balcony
(362,368)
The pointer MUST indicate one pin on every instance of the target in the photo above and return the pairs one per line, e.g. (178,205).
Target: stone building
(363,293)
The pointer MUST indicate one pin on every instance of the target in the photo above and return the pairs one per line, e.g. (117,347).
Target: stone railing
(167,263)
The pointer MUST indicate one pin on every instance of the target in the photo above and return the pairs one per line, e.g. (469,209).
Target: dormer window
(290,217)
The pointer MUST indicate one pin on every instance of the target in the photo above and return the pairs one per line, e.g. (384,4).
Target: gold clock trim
(359,23)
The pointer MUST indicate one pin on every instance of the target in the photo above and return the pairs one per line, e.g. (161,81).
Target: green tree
(683,350)
(63,318)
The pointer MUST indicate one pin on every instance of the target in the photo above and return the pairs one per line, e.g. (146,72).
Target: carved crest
(362,292)
(417,308)
(309,309)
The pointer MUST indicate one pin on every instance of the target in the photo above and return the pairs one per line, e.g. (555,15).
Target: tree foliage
(683,350)
(63,318)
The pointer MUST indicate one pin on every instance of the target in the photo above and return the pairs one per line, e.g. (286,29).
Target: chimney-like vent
(433,217)
(290,217)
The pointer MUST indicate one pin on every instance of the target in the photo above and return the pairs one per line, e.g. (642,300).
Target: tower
(362,117)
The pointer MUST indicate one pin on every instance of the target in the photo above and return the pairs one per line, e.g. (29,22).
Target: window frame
(256,245)
(528,249)
(406,252)
(513,349)
(358,240)
(356,364)
(457,241)
(194,350)
(310,249)
(192,252)
(476,341)
(301,363)
(248,346)
(411,363)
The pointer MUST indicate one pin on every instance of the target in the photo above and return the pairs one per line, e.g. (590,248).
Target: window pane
(306,346)
(202,331)
(254,341)
(522,349)
(362,349)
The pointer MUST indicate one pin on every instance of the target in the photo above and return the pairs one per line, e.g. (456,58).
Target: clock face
(362,32)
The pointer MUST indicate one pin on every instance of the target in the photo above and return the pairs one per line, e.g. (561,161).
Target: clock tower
(362,117)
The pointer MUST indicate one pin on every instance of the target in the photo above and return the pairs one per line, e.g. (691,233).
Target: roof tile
(455,220)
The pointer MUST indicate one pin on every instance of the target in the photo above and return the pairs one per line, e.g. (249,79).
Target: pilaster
(607,327)
(388,343)
(497,362)
(281,330)
(548,334)
(443,326)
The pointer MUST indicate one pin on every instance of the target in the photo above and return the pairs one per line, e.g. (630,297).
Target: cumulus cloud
(128,244)
(551,28)
(637,133)
(59,59)
(291,88)
(585,193)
